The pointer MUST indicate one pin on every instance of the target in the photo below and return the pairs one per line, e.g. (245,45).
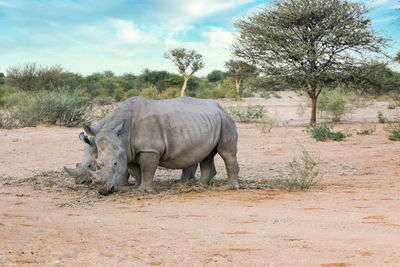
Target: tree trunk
(238,81)
(184,85)
(314,98)
(313,110)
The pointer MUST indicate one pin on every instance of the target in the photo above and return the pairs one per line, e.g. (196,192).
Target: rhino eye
(114,163)
(89,166)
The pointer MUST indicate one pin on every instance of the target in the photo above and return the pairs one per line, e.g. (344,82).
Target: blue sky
(89,36)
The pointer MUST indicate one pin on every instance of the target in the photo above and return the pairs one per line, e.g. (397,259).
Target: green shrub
(395,98)
(217,92)
(394,131)
(131,93)
(229,87)
(103,100)
(322,132)
(118,93)
(265,95)
(204,93)
(276,95)
(150,93)
(333,103)
(265,125)
(100,92)
(6,120)
(51,107)
(367,129)
(251,113)
(170,92)
(381,118)
(303,174)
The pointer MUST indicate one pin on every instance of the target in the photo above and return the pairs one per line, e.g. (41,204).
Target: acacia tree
(397,58)
(307,41)
(239,70)
(187,61)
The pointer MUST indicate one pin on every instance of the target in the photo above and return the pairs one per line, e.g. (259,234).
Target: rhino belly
(191,142)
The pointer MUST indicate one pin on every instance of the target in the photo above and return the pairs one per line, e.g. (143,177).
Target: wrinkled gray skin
(89,159)
(80,174)
(141,134)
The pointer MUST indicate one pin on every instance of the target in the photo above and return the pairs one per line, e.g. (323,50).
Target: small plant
(276,95)
(265,95)
(265,125)
(170,92)
(367,129)
(381,118)
(322,132)
(150,93)
(333,103)
(394,131)
(248,114)
(303,174)
(103,100)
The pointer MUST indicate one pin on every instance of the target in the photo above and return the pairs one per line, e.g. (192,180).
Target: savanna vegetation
(306,46)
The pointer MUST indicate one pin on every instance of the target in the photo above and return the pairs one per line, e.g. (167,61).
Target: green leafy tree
(216,76)
(307,41)
(187,61)
(397,58)
(240,70)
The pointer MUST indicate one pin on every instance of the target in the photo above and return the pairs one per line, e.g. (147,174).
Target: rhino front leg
(134,170)
(148,165)
(207,169)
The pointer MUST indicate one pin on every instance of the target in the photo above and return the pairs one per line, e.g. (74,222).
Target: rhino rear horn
(90,130)
(84,138)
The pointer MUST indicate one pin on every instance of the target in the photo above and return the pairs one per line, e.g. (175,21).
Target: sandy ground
(352,218)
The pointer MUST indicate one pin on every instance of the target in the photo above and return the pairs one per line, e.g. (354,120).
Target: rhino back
(183,130)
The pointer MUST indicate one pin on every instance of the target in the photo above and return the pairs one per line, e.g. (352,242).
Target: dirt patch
(349,219)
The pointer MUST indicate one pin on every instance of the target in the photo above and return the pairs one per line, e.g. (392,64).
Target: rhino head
(89,157)
(111,161)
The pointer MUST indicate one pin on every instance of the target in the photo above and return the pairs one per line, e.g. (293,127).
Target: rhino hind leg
(227,149)
(148,165)
(207,169)
(232,169)
(189,173)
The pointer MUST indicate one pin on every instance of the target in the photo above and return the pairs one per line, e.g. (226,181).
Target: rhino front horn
(71,172)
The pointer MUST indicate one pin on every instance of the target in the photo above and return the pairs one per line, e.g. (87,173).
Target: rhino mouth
(104,186)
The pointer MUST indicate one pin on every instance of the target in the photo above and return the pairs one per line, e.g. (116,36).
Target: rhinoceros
(80,174)
(142,134)
(89,156)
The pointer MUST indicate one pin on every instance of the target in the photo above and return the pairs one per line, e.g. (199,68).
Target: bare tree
(240,70)
(187,61)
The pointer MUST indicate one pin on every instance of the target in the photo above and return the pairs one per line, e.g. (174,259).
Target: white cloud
(128,33)
(378,2)
(387,19)
(5,4)
(179,15)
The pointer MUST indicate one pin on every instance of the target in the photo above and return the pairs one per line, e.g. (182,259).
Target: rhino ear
(84,138)
(90,130)
(120,128)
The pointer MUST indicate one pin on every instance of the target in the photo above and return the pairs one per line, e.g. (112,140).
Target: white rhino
(80,174)
(142,134)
